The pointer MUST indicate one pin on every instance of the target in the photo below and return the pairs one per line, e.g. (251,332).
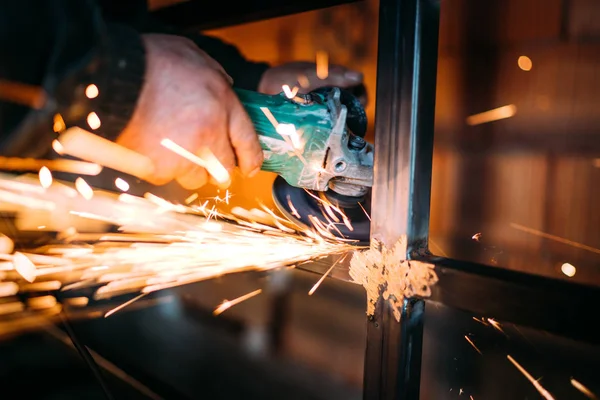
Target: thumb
(340,77)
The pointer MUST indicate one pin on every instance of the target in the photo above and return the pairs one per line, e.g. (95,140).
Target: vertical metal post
(405,111)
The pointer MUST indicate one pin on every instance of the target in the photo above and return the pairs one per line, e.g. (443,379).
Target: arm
(60,47)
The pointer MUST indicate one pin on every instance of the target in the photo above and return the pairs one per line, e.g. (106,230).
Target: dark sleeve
(246,74)
(60,47)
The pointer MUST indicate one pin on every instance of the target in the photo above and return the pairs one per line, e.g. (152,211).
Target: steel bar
(406,81)
(194,15)
(556,306)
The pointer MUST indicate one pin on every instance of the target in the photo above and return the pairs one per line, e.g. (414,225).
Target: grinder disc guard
(306,205)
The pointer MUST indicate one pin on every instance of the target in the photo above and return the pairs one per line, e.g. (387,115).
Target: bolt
(357,143)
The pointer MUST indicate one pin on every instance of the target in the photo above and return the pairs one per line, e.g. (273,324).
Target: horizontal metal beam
(556,306)
(195,15)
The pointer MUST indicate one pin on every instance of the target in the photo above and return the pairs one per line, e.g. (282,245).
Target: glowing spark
(59,124)
(492,115)
(191,198)
(8,289)
(322,65)
(525,63)
(45,177)
(471,398)
(206,160)
(122,306)
(460,391)
(84,189)
(31,164)
(316,285)
(496,325)
(57,147)
(42,302)
(555,238)
(91,91)
(289,93)
(21,93)
(303,81)
(24,267)
(121,184)
(476,236)
(290,131)
(481,321)
(579,386)
(93,120)
(365,211)
(270,116)
(227,304)
(473,344)
(568,269)
(545,394)
(292,208)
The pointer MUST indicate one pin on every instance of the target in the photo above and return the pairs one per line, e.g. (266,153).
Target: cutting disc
(299,205)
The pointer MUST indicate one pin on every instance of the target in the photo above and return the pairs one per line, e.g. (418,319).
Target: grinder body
(306,140)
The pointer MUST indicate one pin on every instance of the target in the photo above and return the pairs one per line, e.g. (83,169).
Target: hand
(304,76)
(187,97)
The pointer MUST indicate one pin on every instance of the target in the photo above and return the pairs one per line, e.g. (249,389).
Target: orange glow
(525,63)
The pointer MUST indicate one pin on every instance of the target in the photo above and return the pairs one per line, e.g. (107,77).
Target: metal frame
(406,81)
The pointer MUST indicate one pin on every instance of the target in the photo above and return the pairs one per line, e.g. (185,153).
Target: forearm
(62,46)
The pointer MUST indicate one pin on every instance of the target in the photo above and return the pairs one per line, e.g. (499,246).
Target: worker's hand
(187,97)
(303,75)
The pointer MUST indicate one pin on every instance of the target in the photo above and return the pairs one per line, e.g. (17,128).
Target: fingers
(339,77)
(244,140)
(194,178)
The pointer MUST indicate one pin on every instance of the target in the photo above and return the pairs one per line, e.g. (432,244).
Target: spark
(227,304)
(59,124)
(481,321)
(365,211)
(91,91)
(545,394)
(322,65)
(121,184)
(476,236)
(316,285)
(471,397)
(82,144)
(496,325)
(191,198)
(24,267)
(57,147)
(290,93)
(555,238)
(492,115)
(158,245)
(579,386)
(303,81)
(568,269)
(473,344)
(22,93)
(84,189)
(525,63)
(122,306)
(460,391)
(292,208)
(30,164)
(206,160)
(93,120)
(45,177)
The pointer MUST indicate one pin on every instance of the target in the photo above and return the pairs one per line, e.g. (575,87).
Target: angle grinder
(315,143)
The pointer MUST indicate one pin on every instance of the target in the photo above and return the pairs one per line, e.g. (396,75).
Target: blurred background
(516,184)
